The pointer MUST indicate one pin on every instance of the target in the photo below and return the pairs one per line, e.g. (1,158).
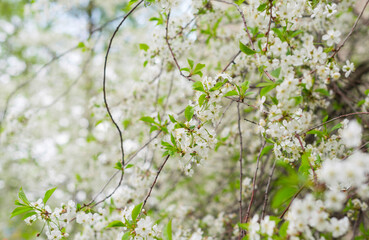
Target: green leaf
(144,47)
(189,111)
(317,132)
(262,7)
(246,50)
(81,45)
(126,236)
(129,166)
(244,226)
(173,140)
(172,119)
(136,211)
(118,166)
(279,34)
(295,33)
(239,2)
(48,194)
(244,87)
(217,86)
(198,68)
(276,72)
(361,102)
(116,223)
(167,234)
(202,99)
(336,127)
(198,86)
(191,63)
(28,215)
(267,89)
(22,196)
(305,166)
(185,69)
(322,91)
(283,195)
(16,202)
(20,210)
(283,229)
(266,150)
(264,84)
(231,93)
(274,100)
(148,119)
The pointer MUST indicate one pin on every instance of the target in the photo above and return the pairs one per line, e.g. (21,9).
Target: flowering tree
(203,119)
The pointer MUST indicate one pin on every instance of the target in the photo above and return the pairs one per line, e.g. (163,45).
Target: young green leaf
(22,196)
(144,47)
(246,50)
(126,236)
(167,234)
(276,72)
(116,223)
(172,119)
(262,7)
(20,210)
(136,211)
(189,111)
(148,119)
(129,166)
(48,194)
(202,99)
(28,214)
(198,86)
(231,93)
(190,63)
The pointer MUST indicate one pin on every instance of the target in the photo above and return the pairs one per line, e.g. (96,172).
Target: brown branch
(104,79)
(266,195)
(351,31)
(240,162)
(333,119)
(270,23)
(293,198)
(246,218)
(248,33)
(232,61)
(108,109)
(155,180)
(172,53)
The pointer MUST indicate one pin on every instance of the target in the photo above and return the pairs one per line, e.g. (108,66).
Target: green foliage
(246,50)
(189,111)
(136,211)
(194,70)
(48,195)
(167,233)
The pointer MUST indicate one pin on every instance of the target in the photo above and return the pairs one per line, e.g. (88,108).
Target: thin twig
(266,195)
(351,31)
(104,79)
(172,53)
(155,180)
(333,119)
(289,205)
(270,23)
(232,61)
(246,218)
(107,106)
(221,118)
(240,160)
(143,147)
(248,33)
